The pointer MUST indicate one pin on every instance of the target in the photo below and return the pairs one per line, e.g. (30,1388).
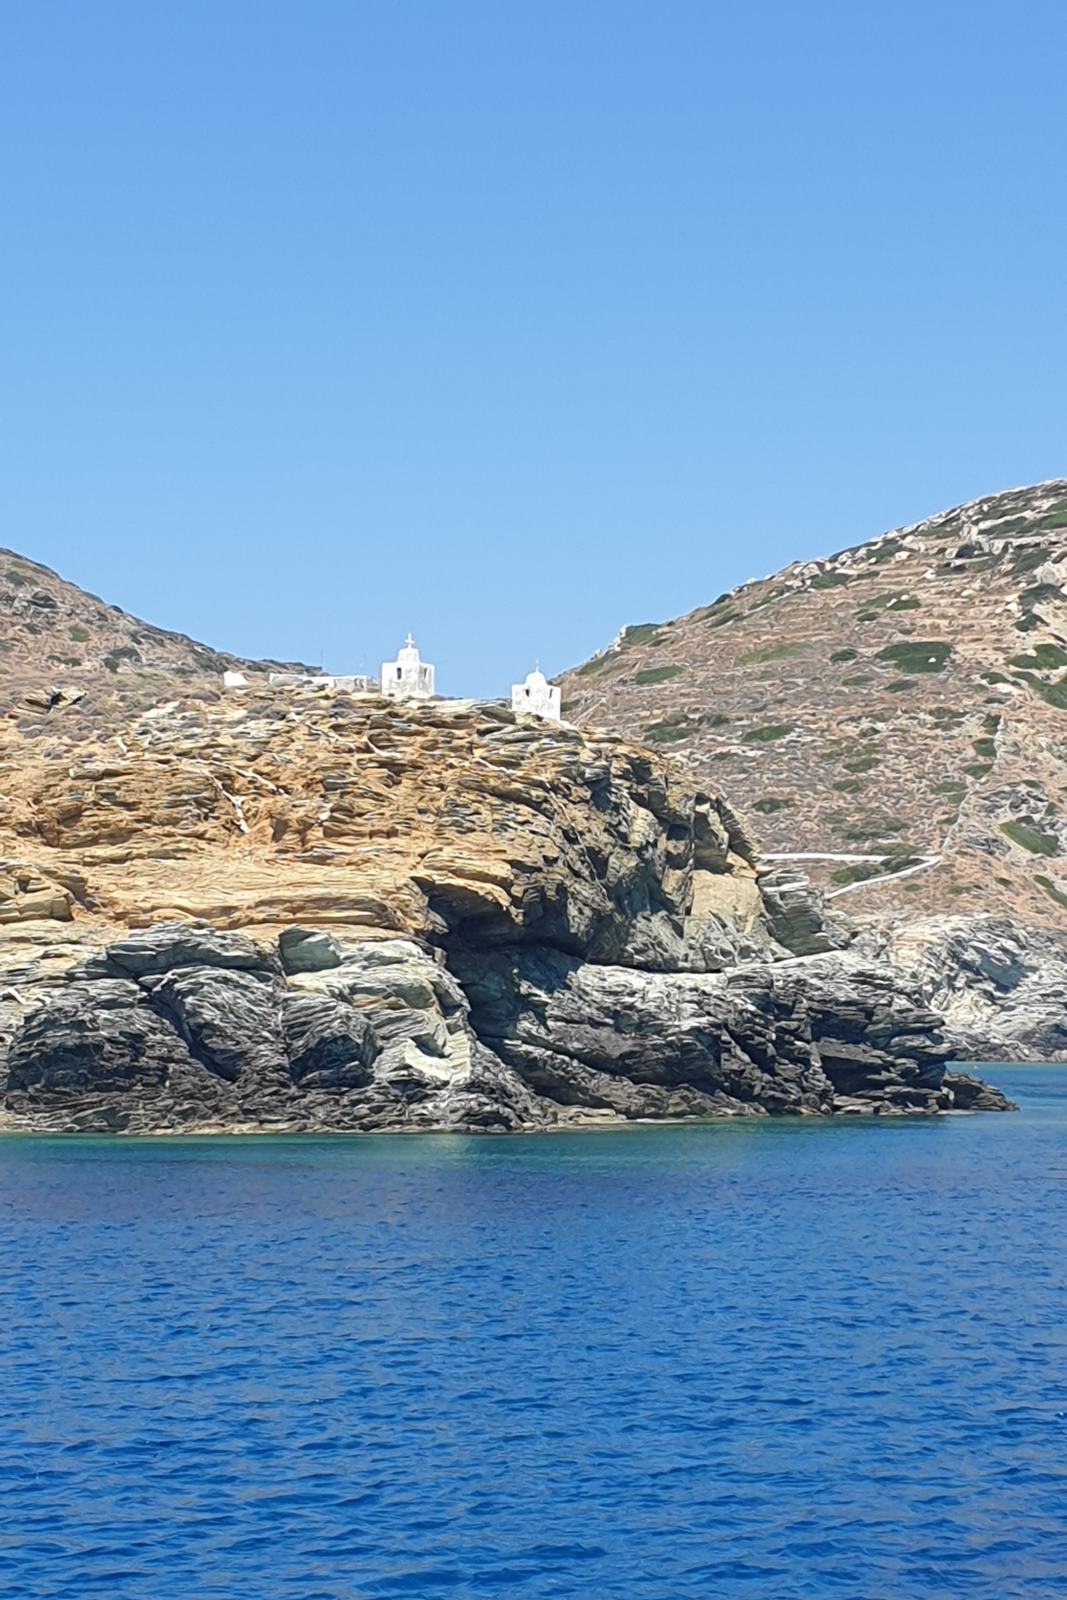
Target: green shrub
(768,734)
(640,633)
(1029,837)
(1010,525)
(1042,658)
(773,652)
(900,684)
(114,658)
(771,804)
(79,634)
(1027,560)
(874,829)
(917,655)
(672,729)
(830,580)
(848,786)
(1037,594)
(859,871)
(844,655)
(657,675)
(767,600)
(858,681)
(862,763)
(985,747)
(1050,889)
(1054,693)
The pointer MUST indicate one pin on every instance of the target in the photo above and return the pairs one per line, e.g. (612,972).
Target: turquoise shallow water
(774,1360)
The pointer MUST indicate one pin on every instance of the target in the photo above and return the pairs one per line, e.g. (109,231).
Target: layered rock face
(308,910)
(999,986)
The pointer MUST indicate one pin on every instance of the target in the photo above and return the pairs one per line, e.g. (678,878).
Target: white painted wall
(408,677)
(536,697)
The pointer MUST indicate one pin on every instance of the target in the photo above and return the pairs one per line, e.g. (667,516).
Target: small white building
(536,697)
(352,682)
(234,680)
(408,677)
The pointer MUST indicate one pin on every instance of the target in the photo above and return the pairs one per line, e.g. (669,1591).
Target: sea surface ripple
(776,1360)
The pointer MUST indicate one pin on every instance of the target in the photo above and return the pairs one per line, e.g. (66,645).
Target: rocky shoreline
(187,1029)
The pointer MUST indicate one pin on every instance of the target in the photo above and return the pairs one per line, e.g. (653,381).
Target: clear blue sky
(514,322)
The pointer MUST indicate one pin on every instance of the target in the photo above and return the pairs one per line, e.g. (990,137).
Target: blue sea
(775,1359)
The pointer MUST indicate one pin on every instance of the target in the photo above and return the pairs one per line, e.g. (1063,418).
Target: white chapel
(408,677)
(536,697)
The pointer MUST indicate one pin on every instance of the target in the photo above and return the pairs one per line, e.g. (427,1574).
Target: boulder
(185,944)
(329,1045)
(305,950)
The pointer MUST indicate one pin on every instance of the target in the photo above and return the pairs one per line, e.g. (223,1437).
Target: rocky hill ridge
(893,714)
(57,638)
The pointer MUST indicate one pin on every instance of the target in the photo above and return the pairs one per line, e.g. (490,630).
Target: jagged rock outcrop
(797,915)
(210,1034)
(207,1033)
(1000,987)
(803,1037)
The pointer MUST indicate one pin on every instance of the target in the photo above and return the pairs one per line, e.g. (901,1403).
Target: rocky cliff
(312,910)
(896,716)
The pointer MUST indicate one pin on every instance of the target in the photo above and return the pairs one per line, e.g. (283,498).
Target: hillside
(56,637)
(897,711)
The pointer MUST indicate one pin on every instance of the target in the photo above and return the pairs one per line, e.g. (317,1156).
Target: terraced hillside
(898,710)
(58,641)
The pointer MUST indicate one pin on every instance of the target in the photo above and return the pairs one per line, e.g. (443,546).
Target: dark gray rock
(971,1094)
(794,1037)
(185,944)
(305,950)
(100,1037)
(229,1019)
(528,1037)
(329,1044)
(796,913)
(1000,986)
